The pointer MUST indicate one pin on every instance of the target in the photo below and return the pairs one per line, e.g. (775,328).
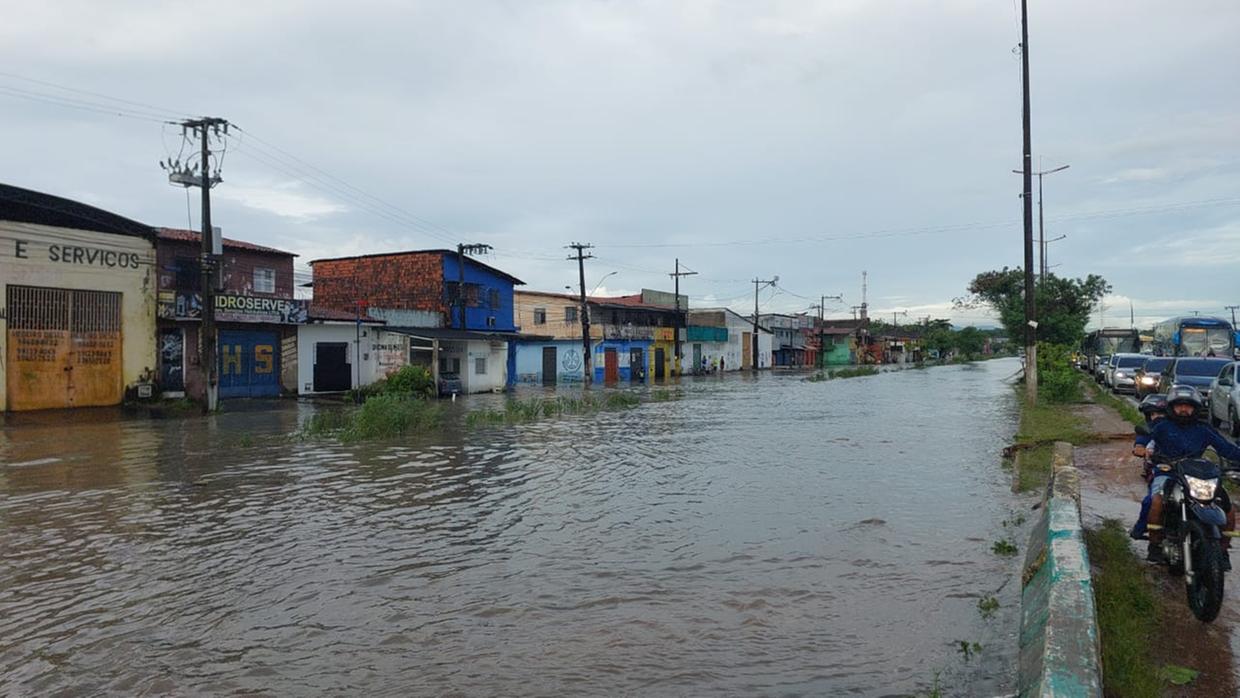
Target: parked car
(1121,374)
(1225,398)
(1100,366)
(449,384)
(1147,375)
(1191,370)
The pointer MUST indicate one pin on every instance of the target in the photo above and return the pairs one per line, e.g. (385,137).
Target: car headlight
(1119,374)
(1201,489)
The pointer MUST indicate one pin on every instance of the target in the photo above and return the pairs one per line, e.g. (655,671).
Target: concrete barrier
(1059,653)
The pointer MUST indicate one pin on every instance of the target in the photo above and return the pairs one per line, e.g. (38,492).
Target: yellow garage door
(64,348)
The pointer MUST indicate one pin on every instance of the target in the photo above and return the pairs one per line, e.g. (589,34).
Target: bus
(1099,345)
(1194,336)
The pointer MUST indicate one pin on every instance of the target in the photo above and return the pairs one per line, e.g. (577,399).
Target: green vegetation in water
(1128,612)
(1004,547)
(664,395)
(516,411)
(936,690)
(987,606)
(1016,519)
(968,649)
(380,417)
(855,372)
(410,381)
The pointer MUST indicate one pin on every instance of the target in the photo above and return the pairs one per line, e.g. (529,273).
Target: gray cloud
(529,125)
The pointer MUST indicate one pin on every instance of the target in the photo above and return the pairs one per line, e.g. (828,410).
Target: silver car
(1225,398)
(1122,372)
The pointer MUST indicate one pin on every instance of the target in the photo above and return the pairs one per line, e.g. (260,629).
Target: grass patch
(1045,422)
(380,417)
(531,409)
(987,606)
(1128,612)
(855,372)
(1127,411)
(1035,468)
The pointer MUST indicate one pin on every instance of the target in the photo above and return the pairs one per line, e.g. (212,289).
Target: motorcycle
(1193,522)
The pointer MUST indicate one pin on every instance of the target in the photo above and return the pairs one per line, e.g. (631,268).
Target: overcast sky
(807,140)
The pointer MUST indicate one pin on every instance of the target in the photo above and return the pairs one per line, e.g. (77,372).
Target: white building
(736,353)
(337,353)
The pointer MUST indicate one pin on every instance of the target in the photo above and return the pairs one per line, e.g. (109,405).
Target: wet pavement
(752,535)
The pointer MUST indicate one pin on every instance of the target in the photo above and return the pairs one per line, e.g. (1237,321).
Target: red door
(611,366)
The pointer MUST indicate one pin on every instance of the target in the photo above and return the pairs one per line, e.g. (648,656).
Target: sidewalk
(1111,487)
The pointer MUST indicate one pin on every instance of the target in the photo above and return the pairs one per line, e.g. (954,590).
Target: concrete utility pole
(461,250)
(201,176)
(679,318)
(1031,322)
(758,284)
(581,257)
(822,318)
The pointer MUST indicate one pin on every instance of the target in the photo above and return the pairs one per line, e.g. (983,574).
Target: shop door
(611,366)
(658,364)
(637,366)
(172,359)
(697,358)
(249,364)
(64,348)
(746,349)
(549,366)
(332,372)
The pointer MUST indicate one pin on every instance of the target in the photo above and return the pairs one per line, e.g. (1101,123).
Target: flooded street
(762,535)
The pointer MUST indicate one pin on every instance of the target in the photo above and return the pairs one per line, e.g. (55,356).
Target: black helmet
(1153,404)
(1184,394)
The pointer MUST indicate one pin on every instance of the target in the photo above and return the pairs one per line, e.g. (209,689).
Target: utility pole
(1233,309)
(679,318)
(461,250)
(1031,323)
(1042,241)
(854,309)
(200,175)
(581,258)
(822,319)
(758,284)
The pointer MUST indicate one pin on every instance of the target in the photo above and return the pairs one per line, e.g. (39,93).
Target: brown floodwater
(740,535)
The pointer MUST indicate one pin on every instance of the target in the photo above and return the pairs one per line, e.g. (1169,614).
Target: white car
(1122,372)
(1225,398)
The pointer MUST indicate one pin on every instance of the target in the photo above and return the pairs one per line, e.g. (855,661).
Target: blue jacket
(1190,441)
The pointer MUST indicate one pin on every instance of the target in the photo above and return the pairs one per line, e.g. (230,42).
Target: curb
(1059,653)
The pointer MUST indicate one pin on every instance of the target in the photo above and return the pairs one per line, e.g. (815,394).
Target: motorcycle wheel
(1205,592)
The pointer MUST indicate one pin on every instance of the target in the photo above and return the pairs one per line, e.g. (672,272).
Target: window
(264,280)
(449,365)
(493,298)
(570,315)
(480,366)
(189,274)
(540,316)
(490,321)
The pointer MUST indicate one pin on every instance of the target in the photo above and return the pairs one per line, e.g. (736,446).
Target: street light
(1041,235)
(600,281)
(1047,267)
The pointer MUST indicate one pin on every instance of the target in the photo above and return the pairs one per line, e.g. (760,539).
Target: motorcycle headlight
(1201,489)
(1148,380)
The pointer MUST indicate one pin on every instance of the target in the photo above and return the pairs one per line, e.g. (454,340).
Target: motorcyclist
(1182,435)
(1153,408)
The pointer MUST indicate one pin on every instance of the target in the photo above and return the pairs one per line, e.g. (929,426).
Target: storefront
(77,325)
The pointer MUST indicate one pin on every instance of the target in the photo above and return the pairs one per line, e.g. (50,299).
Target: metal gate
(64,348)
(332,372)
(249,364)
(549,365)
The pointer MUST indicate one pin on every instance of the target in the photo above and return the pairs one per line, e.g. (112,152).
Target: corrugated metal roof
(29,206)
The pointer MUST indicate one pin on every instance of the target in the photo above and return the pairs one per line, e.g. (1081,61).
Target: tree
(939,336)
(970,341)
(1064,305)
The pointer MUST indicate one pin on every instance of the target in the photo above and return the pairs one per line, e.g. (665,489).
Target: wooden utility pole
(758,284)
(1031,323)
(822,320)
(581,257)
(680,321)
